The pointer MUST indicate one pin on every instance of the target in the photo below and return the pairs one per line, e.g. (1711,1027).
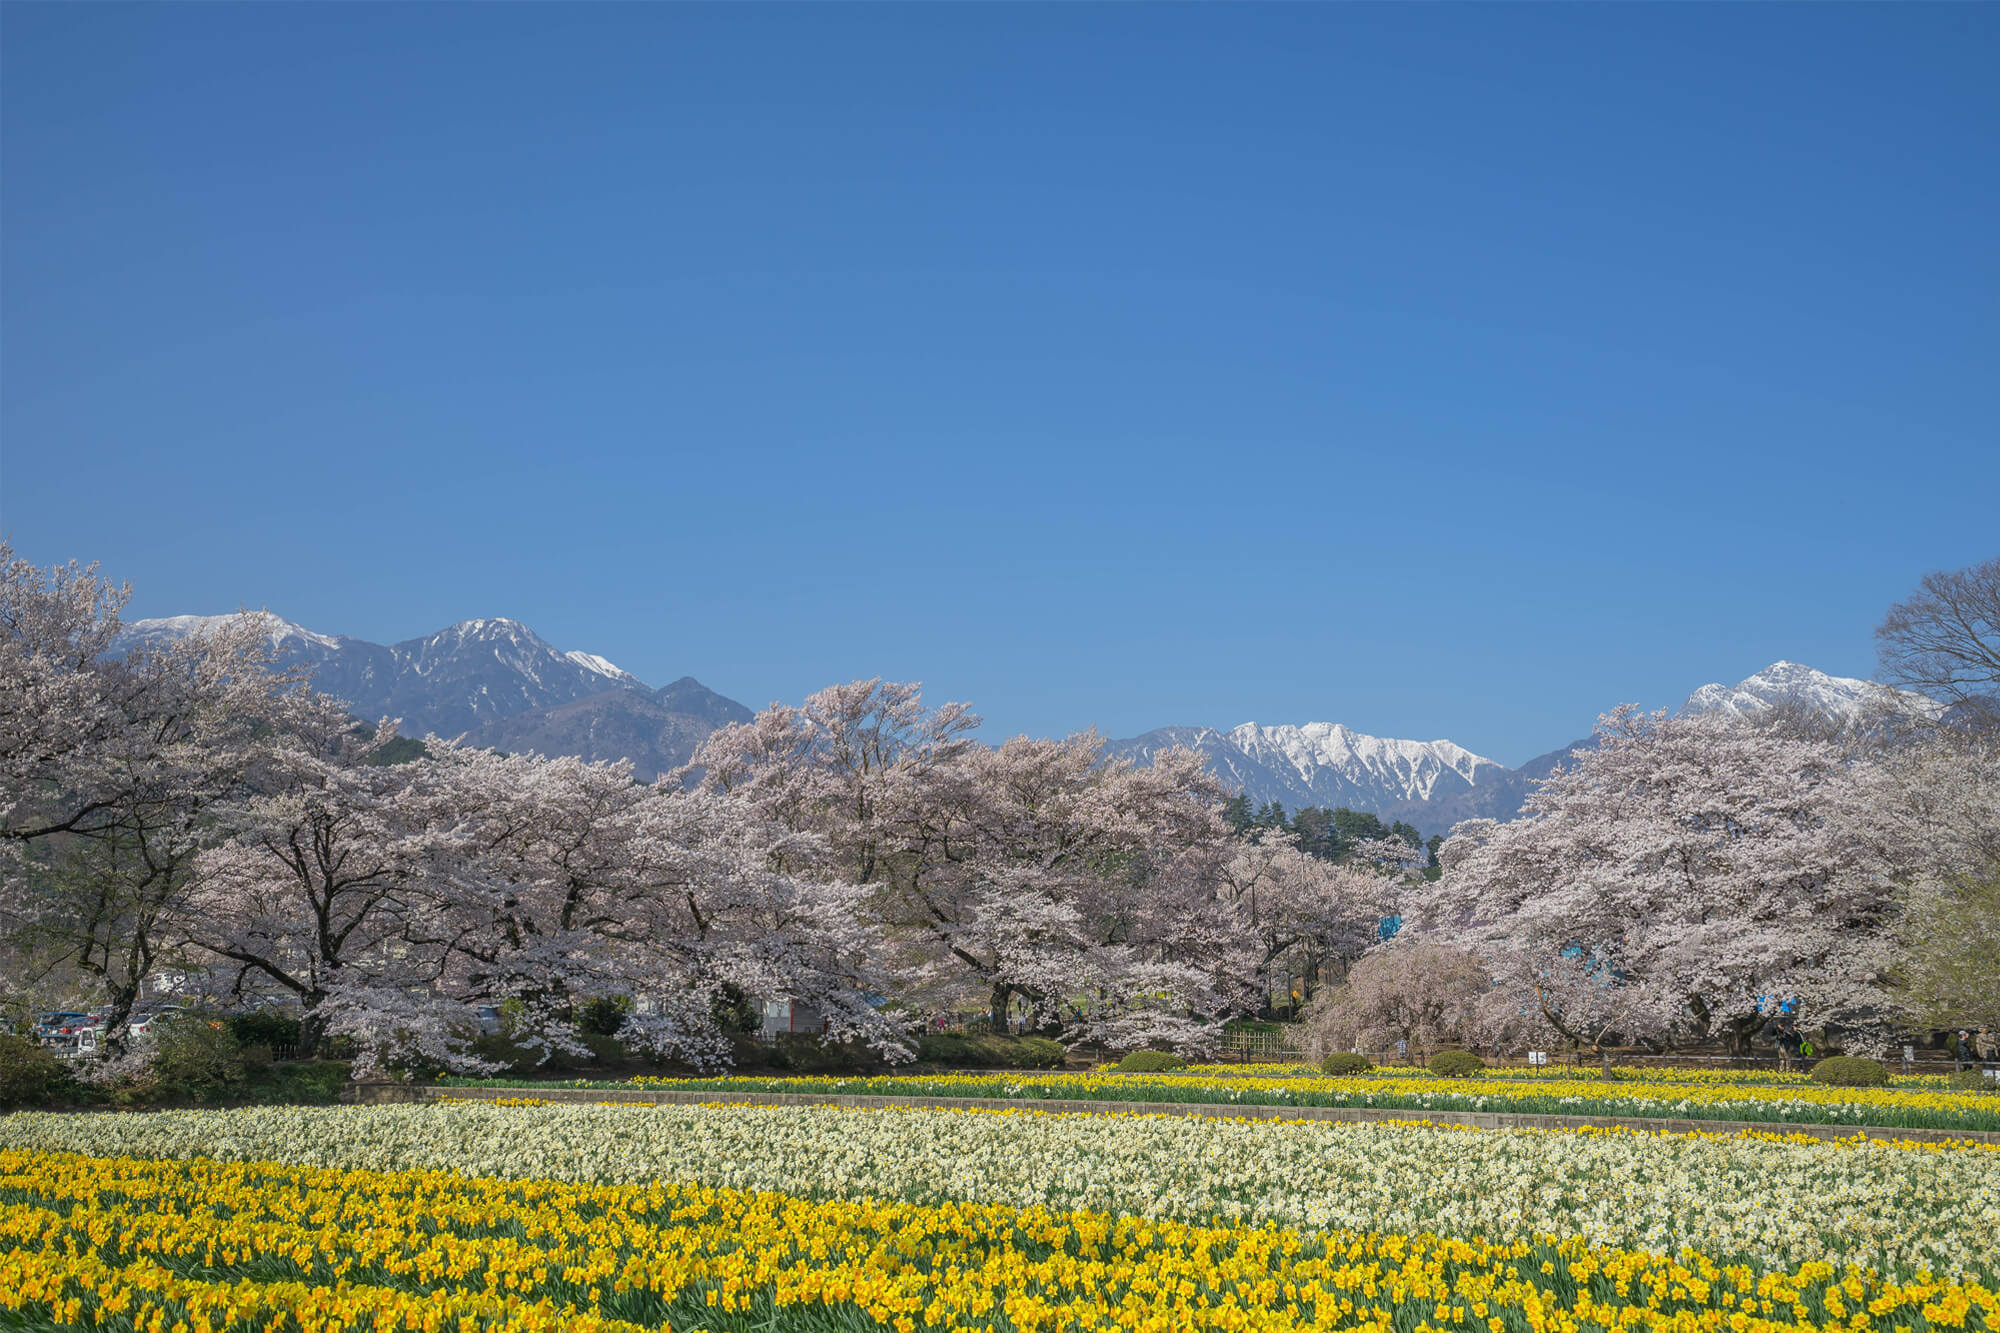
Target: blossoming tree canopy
(1677,871)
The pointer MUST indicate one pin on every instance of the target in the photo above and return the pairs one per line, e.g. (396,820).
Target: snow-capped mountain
(1435,784)
(608,669)
(1327,764)
(498,683)
(1790,685)
(495,682)
(284,635)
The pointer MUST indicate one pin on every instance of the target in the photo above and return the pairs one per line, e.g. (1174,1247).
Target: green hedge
(1346,1062)
(519,1058)
(265,1027)
(1851,1071)
(1456,1064)
(29,1074)
(986,1051)
(805,1053)
(1150,1062)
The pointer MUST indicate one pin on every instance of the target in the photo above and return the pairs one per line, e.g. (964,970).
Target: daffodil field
(261,1246)
(1666,1075)
(478,1215)
(1702,1098)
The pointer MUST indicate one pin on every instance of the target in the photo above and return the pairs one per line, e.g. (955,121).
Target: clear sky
(1444,371)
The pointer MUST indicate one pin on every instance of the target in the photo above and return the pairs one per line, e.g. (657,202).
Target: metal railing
(1261,1048)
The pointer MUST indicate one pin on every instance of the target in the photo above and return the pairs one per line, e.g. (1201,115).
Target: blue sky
(1445,371)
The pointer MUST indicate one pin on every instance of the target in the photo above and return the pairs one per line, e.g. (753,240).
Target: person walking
(1985,1045)
(1961,1050)
(1789,1042)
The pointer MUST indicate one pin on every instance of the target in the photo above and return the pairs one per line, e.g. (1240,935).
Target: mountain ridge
(1435,784)
(494,682)
(1793,684)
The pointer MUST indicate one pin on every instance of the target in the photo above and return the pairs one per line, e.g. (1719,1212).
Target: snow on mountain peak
(1410,769)
(159,629)
(1791,683)
(603,667)
(488,627)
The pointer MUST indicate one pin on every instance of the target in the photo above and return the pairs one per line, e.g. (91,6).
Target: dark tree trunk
(997,1015)
(1737,1032)
(312,1028)
(117,1019)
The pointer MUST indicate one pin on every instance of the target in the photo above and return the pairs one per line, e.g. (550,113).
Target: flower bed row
(1766,1201)
(122,1243)
(1805,1105)
(1664,1076)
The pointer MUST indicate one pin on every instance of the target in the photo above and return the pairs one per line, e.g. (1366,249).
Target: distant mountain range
(1787,684)
(1327,764)
(497,683)
(1435,784)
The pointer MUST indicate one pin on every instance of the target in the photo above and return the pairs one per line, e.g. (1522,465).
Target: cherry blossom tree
(111,770)
(1680,870)
(569,881)
(1944,795)
(1421,993)
(313,893)
(1031,873)
(1318,914)
(62,704)
(1121,861)
(845,766)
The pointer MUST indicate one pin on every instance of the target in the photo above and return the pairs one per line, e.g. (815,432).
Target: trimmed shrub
(1456,1064)
(1346,1062)
(1041,1053)
(984,1050)
(1017,1052)
(29,1074)
(944,1048)
(745,1053)
(305,1083)
(522,1059)
(1851,1071)
(991,1051)
(1149,1062)
(1971,1080)
(605,1050)
(804,1053)
(197,1052)
(734,1013)
(519,1061)
(603,1016)
(270,1028)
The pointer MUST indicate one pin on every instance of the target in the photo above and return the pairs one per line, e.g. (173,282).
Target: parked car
(58,1024)
(148,1024)
(71,1025)
(82,1042)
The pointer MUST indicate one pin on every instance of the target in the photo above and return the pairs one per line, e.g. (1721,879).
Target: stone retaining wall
(379,1093)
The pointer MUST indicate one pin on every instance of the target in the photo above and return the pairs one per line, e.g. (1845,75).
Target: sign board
(1538,1057)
